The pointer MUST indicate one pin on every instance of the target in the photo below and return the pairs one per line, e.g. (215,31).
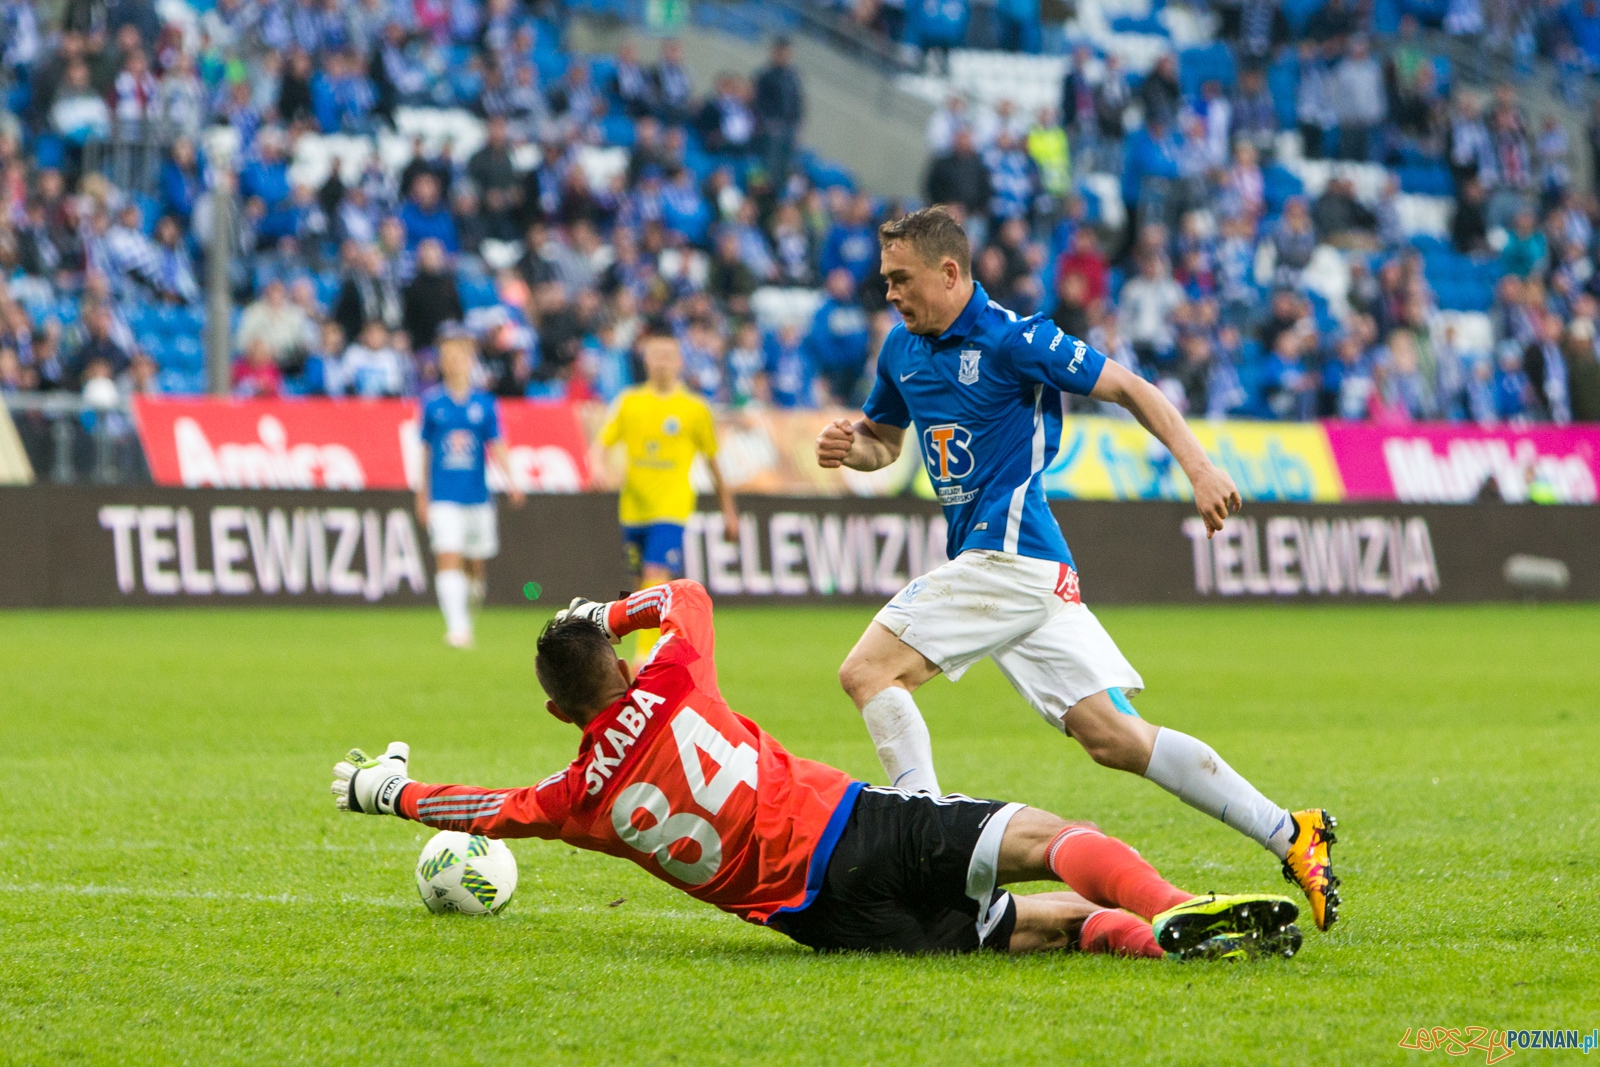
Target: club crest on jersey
(968,375)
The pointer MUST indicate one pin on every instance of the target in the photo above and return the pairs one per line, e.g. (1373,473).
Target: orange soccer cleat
(1309,864)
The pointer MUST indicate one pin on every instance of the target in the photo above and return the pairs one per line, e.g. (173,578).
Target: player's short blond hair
(933,234)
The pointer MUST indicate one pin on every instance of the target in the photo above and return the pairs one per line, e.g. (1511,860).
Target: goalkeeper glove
(596,613)
(371,786)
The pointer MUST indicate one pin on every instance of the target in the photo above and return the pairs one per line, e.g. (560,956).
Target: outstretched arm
(861,446)
(1215,495)
(383,786)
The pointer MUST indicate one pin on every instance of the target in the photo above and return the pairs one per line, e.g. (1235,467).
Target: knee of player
(858,678)
(1108,746)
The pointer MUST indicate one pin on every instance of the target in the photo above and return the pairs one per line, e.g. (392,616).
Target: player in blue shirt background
(986,390)
(460,429)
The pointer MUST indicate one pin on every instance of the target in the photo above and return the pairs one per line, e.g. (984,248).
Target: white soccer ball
(466,873)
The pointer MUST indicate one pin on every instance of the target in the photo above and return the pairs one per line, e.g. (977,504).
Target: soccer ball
(466,873)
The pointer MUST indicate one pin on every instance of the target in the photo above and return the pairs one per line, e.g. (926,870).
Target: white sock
(452,589)
(1192,771)
(904,748)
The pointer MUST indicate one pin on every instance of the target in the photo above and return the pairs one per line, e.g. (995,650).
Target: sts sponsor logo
(460,450)
(947,451)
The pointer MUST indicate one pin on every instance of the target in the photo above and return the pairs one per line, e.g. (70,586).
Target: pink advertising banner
(1452,464)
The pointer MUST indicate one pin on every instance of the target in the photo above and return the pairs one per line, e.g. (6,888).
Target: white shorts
(1024,613)
(467,530)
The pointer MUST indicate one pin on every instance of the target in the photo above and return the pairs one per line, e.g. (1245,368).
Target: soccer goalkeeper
(668,777)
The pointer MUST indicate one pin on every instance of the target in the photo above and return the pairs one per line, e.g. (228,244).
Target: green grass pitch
(178,887)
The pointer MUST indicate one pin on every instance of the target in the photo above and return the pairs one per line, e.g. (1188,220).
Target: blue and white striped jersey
(986,396)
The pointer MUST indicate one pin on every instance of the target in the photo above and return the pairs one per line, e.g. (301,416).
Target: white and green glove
(371,786)
(595,612)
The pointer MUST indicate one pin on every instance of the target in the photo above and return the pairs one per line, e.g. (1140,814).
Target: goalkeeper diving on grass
(670,778)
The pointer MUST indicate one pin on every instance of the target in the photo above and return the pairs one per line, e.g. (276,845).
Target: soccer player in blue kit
(460,427)
(986,390)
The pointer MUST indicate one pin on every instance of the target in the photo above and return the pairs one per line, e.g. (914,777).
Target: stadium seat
(1428,179)
(617,130)
(476,291)
(827,174)
(1425,217)
(1282,78)
(1196,66)
(1299,12)
(1279,184)
(186,353)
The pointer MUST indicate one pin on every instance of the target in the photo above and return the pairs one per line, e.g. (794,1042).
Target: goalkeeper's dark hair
(576,664)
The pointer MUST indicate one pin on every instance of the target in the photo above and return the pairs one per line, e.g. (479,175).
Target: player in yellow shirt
(663,426)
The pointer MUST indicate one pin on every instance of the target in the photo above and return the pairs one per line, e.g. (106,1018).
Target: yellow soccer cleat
(1282,943)
(1249,915)
(1309,864)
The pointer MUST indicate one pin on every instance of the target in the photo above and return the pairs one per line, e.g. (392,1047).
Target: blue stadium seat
(1282,79)
(476,291)
(149,211)
(1299,12)
(328,285)
(602,69)
(552,64)
(1426,179)
(1196,66)
(49,151)
(1428,12)
(182,383)
(1279,184)
(617,130)
(141,318)
(1149,24)
(187,353)
(825,174)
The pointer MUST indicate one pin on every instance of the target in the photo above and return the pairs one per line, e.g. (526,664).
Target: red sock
(1110,873)
(1116,933)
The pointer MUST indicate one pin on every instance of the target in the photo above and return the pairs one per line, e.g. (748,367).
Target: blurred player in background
(985,389)
(460,428)
(663,427)
(671,778)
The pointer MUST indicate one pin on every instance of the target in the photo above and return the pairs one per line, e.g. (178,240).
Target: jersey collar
(968,318)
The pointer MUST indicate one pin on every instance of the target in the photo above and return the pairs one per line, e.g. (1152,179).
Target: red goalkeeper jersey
(672,779)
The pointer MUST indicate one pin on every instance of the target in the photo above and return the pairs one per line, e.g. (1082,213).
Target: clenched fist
(834,443)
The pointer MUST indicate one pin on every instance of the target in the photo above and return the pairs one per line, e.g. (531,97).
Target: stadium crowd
(556,262)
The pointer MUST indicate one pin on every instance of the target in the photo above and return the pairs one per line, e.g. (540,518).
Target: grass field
(178,887)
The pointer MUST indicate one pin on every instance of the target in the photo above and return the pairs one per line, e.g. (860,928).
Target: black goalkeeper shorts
(899,879)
